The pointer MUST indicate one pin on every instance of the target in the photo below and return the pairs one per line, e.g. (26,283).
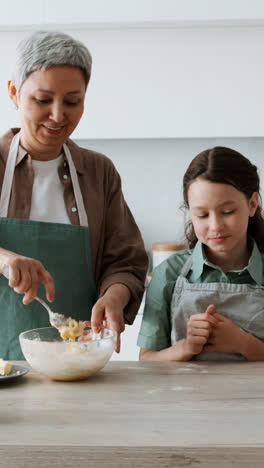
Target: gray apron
(241,303)
(63,249)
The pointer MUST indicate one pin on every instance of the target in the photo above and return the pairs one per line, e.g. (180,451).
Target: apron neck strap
(9,175)
(76,188)
(187,266)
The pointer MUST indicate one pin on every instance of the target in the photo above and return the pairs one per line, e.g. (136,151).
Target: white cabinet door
(164,82)
(21,14)
(120,12)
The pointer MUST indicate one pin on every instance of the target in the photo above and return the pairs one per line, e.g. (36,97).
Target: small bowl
(59,359)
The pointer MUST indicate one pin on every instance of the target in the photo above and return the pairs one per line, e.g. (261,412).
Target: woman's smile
(53,130)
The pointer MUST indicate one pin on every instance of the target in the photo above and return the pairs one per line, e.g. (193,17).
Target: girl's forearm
(252,348)
(177,352)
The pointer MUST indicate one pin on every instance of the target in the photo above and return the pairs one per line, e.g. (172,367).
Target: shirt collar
(5,143)
(254,267)
(255,264)
(198,260)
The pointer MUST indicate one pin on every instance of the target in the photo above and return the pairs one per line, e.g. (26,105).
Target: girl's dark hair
(225,166)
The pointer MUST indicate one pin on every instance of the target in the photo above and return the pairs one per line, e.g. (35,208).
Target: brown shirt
(117,249)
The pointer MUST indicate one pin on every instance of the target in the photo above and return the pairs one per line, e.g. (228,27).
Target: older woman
(63,218)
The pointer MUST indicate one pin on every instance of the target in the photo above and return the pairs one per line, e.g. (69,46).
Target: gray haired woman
(63,217)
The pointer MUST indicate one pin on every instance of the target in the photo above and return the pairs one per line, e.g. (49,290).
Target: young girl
(207,302)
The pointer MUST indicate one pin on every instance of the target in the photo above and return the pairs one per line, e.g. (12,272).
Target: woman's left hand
(226,336)
(108,312)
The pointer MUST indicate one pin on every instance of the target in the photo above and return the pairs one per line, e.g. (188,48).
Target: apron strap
(76,188)
(186,267)
(9,175)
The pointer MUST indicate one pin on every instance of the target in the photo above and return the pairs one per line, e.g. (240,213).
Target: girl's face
(220,214)
(50,104)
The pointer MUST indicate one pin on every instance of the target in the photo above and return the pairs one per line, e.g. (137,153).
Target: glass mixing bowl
(59,359)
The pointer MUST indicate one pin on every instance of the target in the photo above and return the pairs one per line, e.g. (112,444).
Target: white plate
(16,371)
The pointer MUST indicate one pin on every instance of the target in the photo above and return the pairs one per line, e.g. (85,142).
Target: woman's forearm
(120,293)
(178,352)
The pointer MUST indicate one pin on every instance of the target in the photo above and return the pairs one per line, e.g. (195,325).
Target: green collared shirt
(156,323)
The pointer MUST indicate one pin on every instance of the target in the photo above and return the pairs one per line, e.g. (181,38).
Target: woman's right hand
(25,274)
(199,327)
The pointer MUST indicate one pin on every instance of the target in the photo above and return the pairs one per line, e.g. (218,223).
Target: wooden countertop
(142,414)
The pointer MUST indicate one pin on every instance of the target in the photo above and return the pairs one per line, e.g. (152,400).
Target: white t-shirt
(47,195)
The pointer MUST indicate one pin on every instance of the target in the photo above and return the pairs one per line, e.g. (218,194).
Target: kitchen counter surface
(144,414)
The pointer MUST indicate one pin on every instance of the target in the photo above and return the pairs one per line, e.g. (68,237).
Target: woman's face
(50,104)
(220,214)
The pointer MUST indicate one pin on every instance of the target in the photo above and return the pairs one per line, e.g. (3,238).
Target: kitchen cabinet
(167,71)
(21,14)
(146,414)
(101,12)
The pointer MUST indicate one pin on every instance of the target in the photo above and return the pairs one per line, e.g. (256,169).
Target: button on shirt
(155,329)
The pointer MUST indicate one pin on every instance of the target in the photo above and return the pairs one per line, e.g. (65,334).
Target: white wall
(152,172)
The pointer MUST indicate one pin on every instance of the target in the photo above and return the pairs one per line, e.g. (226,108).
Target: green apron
(241,303)
(63,249)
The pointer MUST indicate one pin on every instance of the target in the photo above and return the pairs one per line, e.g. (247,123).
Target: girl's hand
(226,337)
(25,274)
(199,328)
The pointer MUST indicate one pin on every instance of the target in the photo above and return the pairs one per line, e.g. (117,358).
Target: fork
(56,320)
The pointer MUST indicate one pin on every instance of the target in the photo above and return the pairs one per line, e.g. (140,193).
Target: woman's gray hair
(44,49)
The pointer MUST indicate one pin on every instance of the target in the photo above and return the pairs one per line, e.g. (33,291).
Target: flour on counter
(180,389)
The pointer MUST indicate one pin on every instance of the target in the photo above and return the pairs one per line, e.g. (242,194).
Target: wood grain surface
(137,414)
